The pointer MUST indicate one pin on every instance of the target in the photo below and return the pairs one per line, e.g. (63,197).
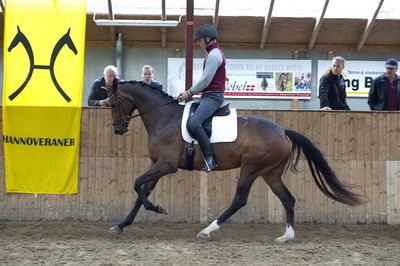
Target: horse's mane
(142,83)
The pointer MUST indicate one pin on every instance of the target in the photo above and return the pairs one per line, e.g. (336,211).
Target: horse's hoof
(203,235)
(116,229)
(283,239)
(162,209)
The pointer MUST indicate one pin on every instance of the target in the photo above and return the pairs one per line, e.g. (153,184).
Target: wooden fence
(362,147)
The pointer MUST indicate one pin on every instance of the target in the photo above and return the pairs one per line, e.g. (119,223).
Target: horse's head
(67,40)
(122,107)
(19,37)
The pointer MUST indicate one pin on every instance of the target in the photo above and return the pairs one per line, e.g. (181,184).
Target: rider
(212,87)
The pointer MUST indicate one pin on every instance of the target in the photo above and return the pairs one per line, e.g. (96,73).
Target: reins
(129,117)
(148,111)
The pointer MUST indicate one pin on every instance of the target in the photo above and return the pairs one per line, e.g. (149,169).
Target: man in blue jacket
(98,90)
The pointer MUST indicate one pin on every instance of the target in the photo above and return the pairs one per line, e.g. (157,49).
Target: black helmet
(206,30)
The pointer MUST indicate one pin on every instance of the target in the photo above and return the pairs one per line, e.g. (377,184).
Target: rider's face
(201,43)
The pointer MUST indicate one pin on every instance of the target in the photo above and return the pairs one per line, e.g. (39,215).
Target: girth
(207,125)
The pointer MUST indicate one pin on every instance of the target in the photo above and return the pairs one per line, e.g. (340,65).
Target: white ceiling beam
(267,23)
(318,25)
(136,22)
(368,28)
(216,14)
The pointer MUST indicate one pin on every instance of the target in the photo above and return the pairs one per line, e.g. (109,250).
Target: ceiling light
(140,23)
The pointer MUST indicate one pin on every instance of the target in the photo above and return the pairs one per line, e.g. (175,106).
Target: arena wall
(133,59)
(362,147)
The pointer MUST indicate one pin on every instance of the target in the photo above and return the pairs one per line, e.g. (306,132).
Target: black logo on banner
(21,38)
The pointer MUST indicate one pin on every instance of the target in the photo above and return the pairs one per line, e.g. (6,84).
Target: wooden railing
(362,147)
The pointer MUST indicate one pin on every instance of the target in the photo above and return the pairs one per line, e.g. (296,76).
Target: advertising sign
(251,78)
(358,75)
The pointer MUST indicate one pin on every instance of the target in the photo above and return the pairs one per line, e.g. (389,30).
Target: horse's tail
(322,173)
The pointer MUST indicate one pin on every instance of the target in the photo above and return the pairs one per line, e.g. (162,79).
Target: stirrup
(211,164)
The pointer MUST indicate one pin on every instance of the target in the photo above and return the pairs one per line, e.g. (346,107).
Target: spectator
(332,88)
(385,89)
(98,90)
(147,77)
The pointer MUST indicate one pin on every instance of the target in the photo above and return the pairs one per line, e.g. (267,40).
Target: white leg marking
(289,235)
(205,233)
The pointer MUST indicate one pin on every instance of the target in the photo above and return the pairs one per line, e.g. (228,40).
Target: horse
(262,148)
(282,82)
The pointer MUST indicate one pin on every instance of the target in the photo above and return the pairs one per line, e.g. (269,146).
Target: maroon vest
(218,81)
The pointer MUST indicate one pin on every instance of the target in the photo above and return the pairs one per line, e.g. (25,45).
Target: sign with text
(42,96)
(250,78)
(358,75)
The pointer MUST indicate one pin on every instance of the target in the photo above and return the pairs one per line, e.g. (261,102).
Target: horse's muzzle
(120,127)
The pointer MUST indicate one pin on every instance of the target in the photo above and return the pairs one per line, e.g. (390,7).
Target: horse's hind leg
(242,192)
(273,179)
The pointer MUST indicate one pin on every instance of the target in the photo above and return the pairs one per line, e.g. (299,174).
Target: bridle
(121,100)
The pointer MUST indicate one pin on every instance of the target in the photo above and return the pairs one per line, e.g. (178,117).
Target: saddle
(223,130)
(207,125)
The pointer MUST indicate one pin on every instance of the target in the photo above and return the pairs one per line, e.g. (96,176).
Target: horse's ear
(115,85)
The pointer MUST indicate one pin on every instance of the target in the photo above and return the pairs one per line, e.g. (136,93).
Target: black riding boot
(210,163)
(205,146)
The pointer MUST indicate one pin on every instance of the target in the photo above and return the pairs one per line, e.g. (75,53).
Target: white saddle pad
(224,128)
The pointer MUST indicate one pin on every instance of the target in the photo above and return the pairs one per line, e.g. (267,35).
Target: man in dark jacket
(98,90)
(332,88)
(385,89)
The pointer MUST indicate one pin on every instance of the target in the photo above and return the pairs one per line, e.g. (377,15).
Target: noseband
(122,124)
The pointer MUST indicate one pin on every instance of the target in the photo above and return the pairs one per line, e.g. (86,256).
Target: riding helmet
(206,30)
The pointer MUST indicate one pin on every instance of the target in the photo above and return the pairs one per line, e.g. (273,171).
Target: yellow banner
(44,44)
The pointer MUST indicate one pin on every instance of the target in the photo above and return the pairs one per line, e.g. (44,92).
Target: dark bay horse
(262,148)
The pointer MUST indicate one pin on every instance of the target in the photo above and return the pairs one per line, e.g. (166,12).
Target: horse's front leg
(119,228)
(158,170)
